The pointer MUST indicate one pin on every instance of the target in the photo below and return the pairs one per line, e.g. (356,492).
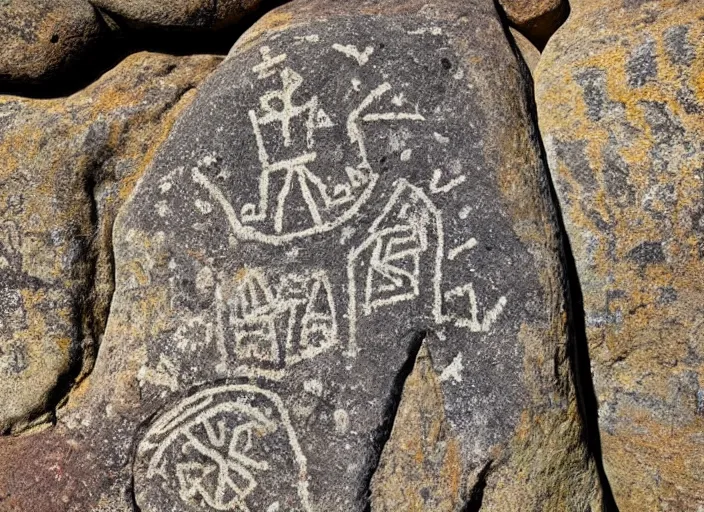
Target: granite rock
(66,167)
(351,218)
(42,39)
(537,19)
(620,94)
(183,14)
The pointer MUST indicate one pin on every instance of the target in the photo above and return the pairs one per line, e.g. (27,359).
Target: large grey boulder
(620,96)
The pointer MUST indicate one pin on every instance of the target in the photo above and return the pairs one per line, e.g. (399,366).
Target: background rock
(66,167)
(421,104)
(41,39)
(529,53)
(620,94)
(182,14)
(537,19)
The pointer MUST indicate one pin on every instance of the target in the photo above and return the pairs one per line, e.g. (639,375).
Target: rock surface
(620,94)
(420,464)
(537,19)
(65,168)
(40,39)
(354,181)
(182,14)
(529,53)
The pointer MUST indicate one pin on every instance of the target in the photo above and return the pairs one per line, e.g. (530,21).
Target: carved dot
(446,63)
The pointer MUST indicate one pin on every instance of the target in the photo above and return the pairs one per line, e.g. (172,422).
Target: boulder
(620,96)
(66,167)
(528,52)
(351,219)
(183,14)
(42,40)
(537,19)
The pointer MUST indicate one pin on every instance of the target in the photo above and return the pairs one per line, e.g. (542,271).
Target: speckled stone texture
(42,39)
(66,166)
(181,14)
(620,94)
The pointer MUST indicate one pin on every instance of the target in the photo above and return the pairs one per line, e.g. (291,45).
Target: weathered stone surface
(66,166)
(537,19)
(620,93)
(42,38)
(420,467)
(183,14)
(353,181)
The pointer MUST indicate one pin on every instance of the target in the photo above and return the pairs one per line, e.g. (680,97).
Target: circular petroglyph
(228,448)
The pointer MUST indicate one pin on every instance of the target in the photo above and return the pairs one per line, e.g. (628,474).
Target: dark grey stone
(679,50)
(647,253)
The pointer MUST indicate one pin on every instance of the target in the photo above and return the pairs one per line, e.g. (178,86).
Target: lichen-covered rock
(41,39)
(66,165)
(537,19)
(620,93)
(353,182)
(182,14)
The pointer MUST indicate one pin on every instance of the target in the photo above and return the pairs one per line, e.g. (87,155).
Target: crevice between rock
(414,342)
(476,494)
(578,348)
(89,321)
(133,496)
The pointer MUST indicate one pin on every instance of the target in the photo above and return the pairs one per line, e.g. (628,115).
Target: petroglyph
(296,162)
(260,323)
(469,244)
(472,321)
(351,51)
(278,326)
(222,449)
(408,228)
(435,186)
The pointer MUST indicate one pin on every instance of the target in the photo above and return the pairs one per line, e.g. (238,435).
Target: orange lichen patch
(674,478)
